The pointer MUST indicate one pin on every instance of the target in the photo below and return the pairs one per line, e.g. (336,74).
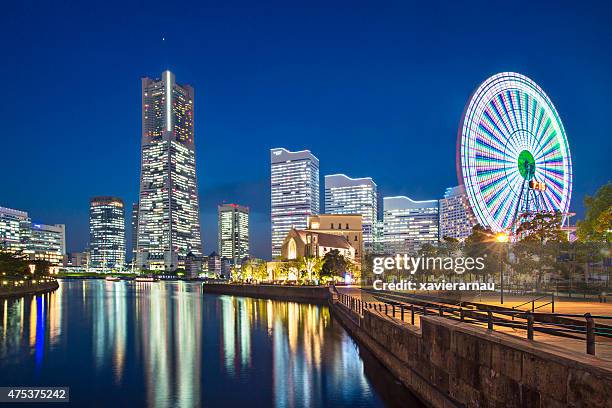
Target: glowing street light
(502,237)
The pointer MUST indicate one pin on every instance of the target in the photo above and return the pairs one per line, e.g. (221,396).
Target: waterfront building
(78,259)
(214,263)
(294,192)
(11,231)
(345,195)
(348,226)
(44,242)
(233,232)
(456,216)
(311,243)
(106,232)
(18,234)
(408,224)
(168,209)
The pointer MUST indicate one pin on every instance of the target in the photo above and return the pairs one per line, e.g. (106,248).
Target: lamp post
(502,238)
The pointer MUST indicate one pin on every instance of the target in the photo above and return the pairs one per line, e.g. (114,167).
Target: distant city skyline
(372,93)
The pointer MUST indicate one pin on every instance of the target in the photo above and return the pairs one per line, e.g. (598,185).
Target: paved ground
(603,346)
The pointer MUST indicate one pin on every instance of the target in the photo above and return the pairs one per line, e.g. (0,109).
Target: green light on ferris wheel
(526,165)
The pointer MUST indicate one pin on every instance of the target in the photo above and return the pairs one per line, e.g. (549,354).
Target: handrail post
(424,310)
(412,314)
(532,306)
(461,316)
(386,309)
(490,320)
(440,311)
(553,303)
(529,326)
(590,334)
(402,312)
(393,310)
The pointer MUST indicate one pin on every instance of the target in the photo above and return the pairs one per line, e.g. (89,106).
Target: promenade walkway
(603,345)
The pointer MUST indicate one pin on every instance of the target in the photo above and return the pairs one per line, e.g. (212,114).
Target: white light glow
(168,102)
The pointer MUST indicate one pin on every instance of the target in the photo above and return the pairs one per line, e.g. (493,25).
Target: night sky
(372,90)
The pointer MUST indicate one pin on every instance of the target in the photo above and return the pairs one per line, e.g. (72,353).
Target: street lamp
(502,238)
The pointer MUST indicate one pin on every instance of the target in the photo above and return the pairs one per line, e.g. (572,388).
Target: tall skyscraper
(345,195)
(168,211)
(408,224)
(456,216)
(295,192)
(233,232)
(106,232)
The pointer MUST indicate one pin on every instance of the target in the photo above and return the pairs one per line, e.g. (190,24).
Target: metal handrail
(589,329)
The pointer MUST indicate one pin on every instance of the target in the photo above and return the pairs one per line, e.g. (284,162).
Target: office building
(233,232)
(345,195)
(408,224)
(348,226)
(19,235)
(456,216)
(45,242)
(168,209)
(294,192)
(106,233)
(11,229)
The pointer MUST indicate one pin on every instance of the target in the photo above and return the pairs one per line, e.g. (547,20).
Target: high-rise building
(45,242)
(168,210)
(294,190)
(408,224)
(345,195)
(106,232)
(233,232)
(134,230)
(11,231)
(34,241)
(456,216)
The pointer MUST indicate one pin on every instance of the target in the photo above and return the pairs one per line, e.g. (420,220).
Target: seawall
(450,364)
(7,291)
(306,294)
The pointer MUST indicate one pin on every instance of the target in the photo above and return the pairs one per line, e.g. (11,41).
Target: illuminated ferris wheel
(513,155)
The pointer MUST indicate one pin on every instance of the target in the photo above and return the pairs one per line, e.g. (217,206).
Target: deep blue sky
(371,89)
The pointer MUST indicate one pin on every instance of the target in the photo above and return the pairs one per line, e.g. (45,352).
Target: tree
(334,264)
(542,228)
(312,266)
(597,224)
(481,244)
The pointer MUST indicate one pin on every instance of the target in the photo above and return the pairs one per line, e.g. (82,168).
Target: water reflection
(168,344)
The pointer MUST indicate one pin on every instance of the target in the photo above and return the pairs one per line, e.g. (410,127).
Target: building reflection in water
(301,357)
(149,338)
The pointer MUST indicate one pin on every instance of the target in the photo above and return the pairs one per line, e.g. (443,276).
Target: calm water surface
(166,344)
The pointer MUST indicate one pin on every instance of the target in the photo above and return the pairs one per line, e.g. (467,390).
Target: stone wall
(31,289)
(448,363)
(309,294)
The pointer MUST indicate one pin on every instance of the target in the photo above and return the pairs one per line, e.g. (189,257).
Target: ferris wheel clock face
(513,152)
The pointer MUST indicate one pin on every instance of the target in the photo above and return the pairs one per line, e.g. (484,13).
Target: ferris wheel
(513,155)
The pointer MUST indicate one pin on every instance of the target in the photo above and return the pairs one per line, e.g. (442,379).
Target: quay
(13,288)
